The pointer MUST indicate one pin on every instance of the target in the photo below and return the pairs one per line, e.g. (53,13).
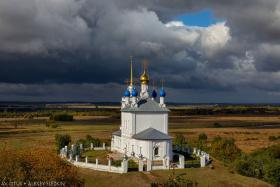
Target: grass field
(219,177)
(250,133)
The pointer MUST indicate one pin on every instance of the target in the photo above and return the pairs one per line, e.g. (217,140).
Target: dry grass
(218,177)
(246,139)
(30,133)
(34,133)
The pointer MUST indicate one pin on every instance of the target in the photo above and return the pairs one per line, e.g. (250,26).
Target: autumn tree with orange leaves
(38,165)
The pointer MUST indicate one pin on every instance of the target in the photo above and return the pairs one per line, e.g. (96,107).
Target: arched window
(156,151)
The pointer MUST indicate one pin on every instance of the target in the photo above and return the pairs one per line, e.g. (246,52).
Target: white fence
(204,157)
(65,153)
(100,167)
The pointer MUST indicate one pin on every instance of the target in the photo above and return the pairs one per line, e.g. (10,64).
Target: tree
(272,172)
(40,164)
(180,141)
(263,164)
(225,149)
(62,140)
(176,181)
(217,125)
(89,139)
(202,139)
(61,117)
(249,166)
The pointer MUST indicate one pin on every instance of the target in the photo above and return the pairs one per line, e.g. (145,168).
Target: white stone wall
(116,143)
(99,167)
(133,123)
(157,121)
(143,148)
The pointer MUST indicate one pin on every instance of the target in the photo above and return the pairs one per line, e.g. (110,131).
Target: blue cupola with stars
(127,93)
(162,93)
(154,94)
(134,92)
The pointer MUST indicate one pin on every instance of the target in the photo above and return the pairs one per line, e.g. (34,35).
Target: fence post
(91,146)
(202,161)
(109,164)
(207,158)
(66,150)
(167,162)
(86,159)
(194,150)
(181,161)
(77,158)
(96,163)
(140,165)
(104,147)
(125,166)
(149,165)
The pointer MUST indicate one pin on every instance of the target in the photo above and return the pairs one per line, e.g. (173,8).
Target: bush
(272,173)
(202,137)
(263,164)
(176,181)
(38,164)
(132,164)
(116,163)
(217,125)
(224,149)
(249,166)
(272,138)
(54,125)
(61,117)
(180,141)
(62,140)
(89,139)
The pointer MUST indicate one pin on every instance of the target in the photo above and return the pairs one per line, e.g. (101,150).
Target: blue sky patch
(202,18)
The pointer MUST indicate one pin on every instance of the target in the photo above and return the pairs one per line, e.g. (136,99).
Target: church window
(156,151)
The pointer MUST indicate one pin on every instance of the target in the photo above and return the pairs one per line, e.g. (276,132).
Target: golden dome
(144,77)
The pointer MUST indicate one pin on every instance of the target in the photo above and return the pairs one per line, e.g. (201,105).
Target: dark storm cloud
(70,42)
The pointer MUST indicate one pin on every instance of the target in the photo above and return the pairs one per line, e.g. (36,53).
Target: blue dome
(126,93)
(134,92)
(154,94)
(162,93)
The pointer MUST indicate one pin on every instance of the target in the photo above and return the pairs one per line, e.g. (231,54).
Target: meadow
(250,131)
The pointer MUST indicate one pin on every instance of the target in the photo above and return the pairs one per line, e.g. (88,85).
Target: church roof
(146,105)
(151,134)
(117,133)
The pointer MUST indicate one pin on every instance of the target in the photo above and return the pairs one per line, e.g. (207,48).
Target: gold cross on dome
(154,84)
(131,72)
(127,82)
(145,64)
(162,82)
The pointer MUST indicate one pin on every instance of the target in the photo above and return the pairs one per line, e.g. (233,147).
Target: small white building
(144,124)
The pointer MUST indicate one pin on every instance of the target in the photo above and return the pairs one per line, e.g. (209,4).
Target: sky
(200,18)
(214,51)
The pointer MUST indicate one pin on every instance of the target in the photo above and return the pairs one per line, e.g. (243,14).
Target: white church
(144,123)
